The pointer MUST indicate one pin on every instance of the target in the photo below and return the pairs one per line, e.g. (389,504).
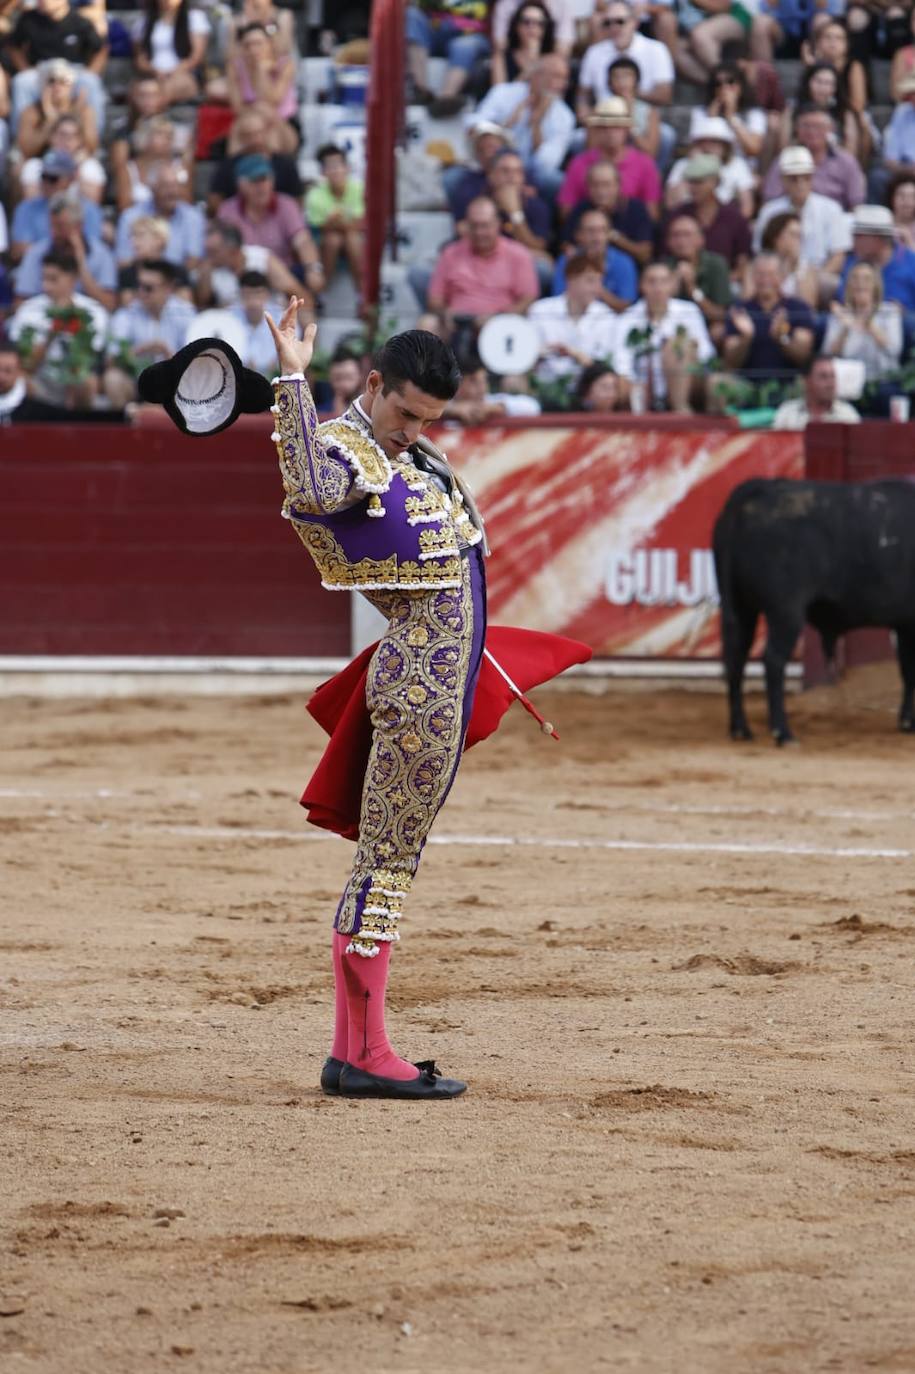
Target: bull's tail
(738,622)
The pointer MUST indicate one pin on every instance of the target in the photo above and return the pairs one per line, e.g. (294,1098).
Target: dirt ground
(676,972)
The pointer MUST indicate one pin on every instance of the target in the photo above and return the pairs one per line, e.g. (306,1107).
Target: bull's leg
(737,633)
(905,648)
(779,648)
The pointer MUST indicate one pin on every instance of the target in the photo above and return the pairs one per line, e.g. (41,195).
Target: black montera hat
(204,387)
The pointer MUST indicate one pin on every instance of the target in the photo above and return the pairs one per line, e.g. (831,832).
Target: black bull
(837,555)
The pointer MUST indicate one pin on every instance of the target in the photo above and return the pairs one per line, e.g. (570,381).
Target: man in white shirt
(254,301)
(536,116)
(576,328)
(152,327)
(61,334)
(825,230)
(661,340)
(653,59)
(819,401)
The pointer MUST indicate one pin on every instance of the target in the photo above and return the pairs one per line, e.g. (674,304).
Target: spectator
(523,215)
(474,403)
(706,31)
(261,80)
(66,136)
(464,183)
(186,222)
(631,229)
(726,231)
(656,68)
(711,136)
(227,258)
(346,375)
(531,36)
(699,276)
(728,97)
(259,352)
(31,219)
(900,197)
(825,235)
(782,236)
(575,327)
(481,275)
(266,217)
(873,241)
(903,63)
(619,283)
(453,29)
(335,210)
(768,337)
(152,327)
(599,390)
(17,407)
(821,88)
(866,328)
(4,116)
(53,30)
(149,237)
(836,173)
(818,401)
(60,335)
(533,113)
(829,43)
(155,142)
(170,42)
(96,271)
(623,80)
(608,134)
(58,97)
(662,341)
(250,136)
(899,134)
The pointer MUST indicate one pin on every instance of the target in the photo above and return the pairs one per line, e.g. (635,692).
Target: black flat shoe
(429,1086)
(330,1076)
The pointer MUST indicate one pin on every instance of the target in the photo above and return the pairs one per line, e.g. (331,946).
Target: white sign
(661,577)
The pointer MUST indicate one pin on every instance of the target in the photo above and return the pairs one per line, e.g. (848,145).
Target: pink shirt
(639,177)
(471,284)
(275,231)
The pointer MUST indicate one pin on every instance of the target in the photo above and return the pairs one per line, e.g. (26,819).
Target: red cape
(333,796)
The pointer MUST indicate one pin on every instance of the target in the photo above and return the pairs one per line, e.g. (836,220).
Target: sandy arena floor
(688,1143)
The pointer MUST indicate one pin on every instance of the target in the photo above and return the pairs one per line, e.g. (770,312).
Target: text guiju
(661,577)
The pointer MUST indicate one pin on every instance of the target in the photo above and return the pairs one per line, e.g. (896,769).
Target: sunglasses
(534,22)
(619,22)
(147,285)
(726,81)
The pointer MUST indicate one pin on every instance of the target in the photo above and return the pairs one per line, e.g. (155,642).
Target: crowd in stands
(695,205)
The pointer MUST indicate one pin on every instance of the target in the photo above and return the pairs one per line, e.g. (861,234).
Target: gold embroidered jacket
(336,475)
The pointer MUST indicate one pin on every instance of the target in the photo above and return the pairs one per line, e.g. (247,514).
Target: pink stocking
(341,1012)
(365,981)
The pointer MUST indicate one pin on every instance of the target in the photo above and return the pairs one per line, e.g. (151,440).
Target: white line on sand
(229,832)
(648,808)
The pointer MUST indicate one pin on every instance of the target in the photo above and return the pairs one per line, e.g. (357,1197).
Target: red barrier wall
(116,541)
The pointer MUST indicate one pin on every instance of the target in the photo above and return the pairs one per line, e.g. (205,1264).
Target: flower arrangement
(69,339)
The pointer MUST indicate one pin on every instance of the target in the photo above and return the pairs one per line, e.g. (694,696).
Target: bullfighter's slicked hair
(421,358)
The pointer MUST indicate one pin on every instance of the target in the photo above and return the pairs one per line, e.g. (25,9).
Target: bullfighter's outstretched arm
(318,481)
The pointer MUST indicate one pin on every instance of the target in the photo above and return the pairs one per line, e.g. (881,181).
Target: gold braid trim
(372,574)
(367,460)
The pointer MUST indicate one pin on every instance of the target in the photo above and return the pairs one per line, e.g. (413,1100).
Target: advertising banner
(605,534)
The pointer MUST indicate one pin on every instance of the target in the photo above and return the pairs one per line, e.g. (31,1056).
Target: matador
(381,512)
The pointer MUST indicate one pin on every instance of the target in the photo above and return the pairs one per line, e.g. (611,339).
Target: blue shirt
(187,227)
(898,277)
(620,275)
(32,220)
(99,261)
(766,358)
(899,135)
(134,325)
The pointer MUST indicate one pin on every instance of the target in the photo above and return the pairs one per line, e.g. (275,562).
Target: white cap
(796,162)
(873,219)
(711,126)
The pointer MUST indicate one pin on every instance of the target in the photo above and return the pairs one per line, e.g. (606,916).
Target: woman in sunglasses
(531,34)
(727,97)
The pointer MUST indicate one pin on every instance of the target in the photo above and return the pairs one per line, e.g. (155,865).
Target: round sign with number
(508,343)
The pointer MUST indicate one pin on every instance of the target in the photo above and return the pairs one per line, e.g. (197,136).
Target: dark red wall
(855,453)
(119,541)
